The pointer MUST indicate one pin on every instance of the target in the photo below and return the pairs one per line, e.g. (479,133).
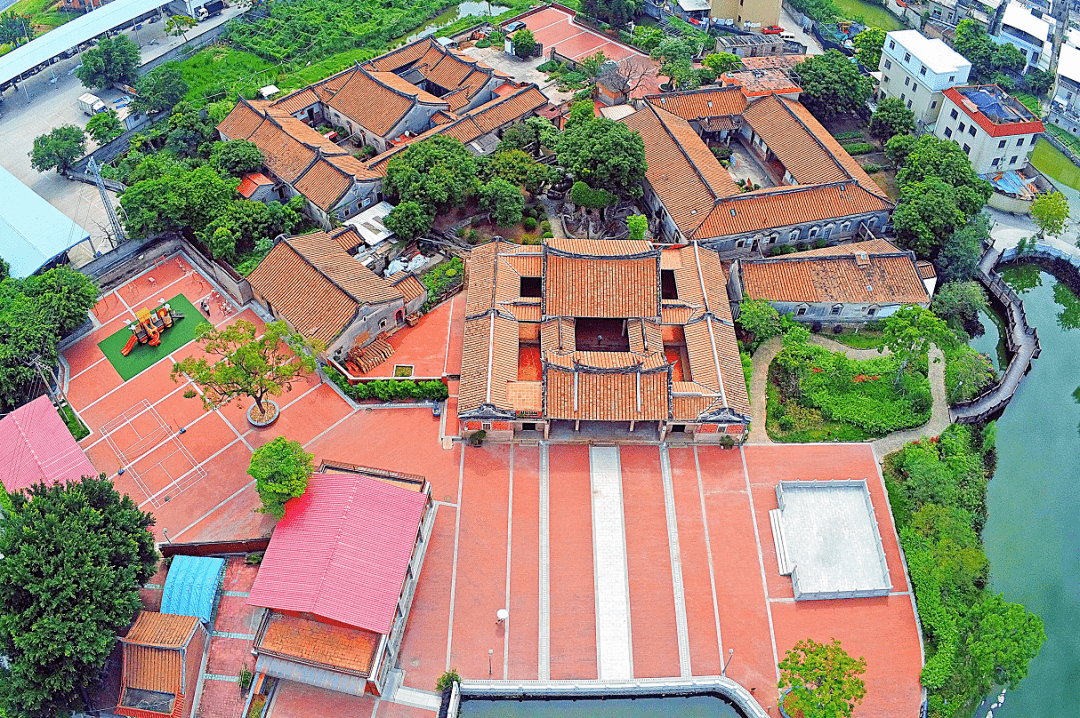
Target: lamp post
(723,670)
(490,652)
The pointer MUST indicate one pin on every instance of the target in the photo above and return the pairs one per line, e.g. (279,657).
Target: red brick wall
(193,657)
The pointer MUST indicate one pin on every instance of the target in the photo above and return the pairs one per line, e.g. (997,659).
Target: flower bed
(389,389)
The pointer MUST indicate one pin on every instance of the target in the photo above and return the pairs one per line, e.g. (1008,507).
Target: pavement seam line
(210,513)
(453,573)
(544,642)
(509,545)
(136,416)
(761,564)
(708,552)
(330,428)
(676,563)
(610,566)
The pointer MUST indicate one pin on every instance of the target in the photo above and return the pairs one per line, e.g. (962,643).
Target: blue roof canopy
(191,585)
(32,232)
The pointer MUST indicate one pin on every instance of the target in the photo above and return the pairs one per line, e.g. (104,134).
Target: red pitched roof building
(163,657)
(36,446)
(615,333)
(338,578)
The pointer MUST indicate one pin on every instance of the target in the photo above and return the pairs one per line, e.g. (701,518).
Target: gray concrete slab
(831,539)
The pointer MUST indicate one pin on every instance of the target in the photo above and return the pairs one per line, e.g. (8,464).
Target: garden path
(759,376)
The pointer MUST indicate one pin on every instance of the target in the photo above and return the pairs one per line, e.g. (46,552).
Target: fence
(214,548)
(110,151)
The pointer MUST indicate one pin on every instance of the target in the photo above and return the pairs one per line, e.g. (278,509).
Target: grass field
(874,15)
(143,355)
(1051,162)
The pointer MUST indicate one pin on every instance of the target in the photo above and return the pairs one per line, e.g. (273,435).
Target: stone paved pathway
(939,416)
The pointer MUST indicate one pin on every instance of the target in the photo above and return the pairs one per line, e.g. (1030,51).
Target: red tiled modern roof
(410,287)
(606,395)
(161,630)
(296,101)
(871,246)
(696,104)
(375,101)
(348,649)
(341,552)
(153,660)
(251,182)
(324,183)
(852,279)
(1003,129)
(36,446)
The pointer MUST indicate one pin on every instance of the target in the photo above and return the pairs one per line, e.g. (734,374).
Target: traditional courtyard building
(806,188)
(600,336)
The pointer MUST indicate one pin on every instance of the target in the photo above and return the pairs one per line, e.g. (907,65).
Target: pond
(455,13)
(871,13)
(675,707)
(1032,536)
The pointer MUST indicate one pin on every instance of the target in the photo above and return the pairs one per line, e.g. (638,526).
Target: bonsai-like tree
(248,366)
(178,25)
(825,681)
(281,470)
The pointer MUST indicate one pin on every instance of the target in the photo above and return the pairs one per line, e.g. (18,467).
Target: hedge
(440,279)
(859,148)
(389,389)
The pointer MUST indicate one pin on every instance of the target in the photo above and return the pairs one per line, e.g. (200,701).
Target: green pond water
(469,8)
(688,707)
(1033,534)
(872,14)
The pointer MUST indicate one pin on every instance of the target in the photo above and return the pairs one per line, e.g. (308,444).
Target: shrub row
(440,279)
(859,148)
(389,389)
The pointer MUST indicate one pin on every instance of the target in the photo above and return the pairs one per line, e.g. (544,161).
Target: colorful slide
(131,342)
(149,325)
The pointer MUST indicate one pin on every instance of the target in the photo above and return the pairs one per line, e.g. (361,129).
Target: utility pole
(114,221)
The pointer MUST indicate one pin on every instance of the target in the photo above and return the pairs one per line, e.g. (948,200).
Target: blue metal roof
(191,585)
(32,231)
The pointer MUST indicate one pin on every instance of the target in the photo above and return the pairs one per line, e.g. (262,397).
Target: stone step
(775,519)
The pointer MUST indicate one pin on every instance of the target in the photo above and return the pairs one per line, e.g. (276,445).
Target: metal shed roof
(70,34)
(32,231)
(36,446)
(191,585)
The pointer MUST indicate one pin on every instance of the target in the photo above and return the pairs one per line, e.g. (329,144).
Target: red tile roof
(36,446)
(161,630)
(153,659)
(852,279)
(251,182)
(375,101)
(696,104)
(341,551)
(348,649)
(596,278)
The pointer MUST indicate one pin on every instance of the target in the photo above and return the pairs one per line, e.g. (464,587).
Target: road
(47,101)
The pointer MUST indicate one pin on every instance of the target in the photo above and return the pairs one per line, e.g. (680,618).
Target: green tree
(832,85)
(959,303)
(932,156)
(721,62)
(1050,212)
(580,112)
(605,155)
(14,28)
(244,224)
(1008,57)
(5,269)
(616,13)
(65,294)
(178,25)
(928,213)
(75,557)
(437,172)
(189,130)
(503,200)
(281,470)
(759,319)
(529,136)
(160,89)
(113,59)
(246,365)
(647,37)
(583,195)
(58,149)
(524,43)
(236,157)
(1004,639)
(973,43)
(959,255)
(1039,82)
(682,74)
(891,118)
(593,64)
(180,200)
(519,169)
(637,224)
(104,126)
(408,220)
(910,331)
(825,681)
(674,49)
(898,147)
(868,44)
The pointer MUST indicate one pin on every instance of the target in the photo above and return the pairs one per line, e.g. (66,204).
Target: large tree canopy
(892,118)
(59,149)
(934,157)
(178,200)
(75,557)
(833,85)
(160,89)
(438,173)
(113,59)
(868,44)
(928,213)
(825,681)
(605,155)
(614,12)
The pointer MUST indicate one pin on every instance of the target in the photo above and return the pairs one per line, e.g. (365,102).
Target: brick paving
(221,697)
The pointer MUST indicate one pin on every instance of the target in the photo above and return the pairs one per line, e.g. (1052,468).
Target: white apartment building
(1065,109)
(994,129)
(1030,31)
(917,70)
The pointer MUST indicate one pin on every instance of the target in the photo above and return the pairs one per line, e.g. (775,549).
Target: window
(888,64)
(486,426)
(907,81)
(1001,144)
(902,97)
(529,287)
(892,45)
(668,288)
(971,130)
(871,311)
(741,243)
(952,78)
(909,104)
(933,104)
(835,311)
(948,132)
(1020,142)
(800,311)
(813,232)
(952,115)
(922,70)
(995,162)
(1013,160)
(907,57)
(962,127)
(845,227)
(967,149)
(793,236)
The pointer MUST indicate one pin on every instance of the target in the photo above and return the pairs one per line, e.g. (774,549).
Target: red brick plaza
(486,551)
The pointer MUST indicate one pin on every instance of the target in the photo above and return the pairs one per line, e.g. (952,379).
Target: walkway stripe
(614,649)
(544,643)
(708,552)
(676,563)
(417,699)
(453,574)
(237,636)
(509,544)
(218,677)
(237,594)
(761,564)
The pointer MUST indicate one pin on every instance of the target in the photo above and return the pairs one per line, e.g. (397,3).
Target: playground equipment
(149,325)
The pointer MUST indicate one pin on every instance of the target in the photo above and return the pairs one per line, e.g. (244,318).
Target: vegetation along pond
(1032,536)
(676,707)
(455,13)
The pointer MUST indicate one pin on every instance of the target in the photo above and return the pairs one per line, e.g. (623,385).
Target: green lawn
(862,339)
(76,427)
(1051,162)
(1029,101)
(874,15)
(143,355)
